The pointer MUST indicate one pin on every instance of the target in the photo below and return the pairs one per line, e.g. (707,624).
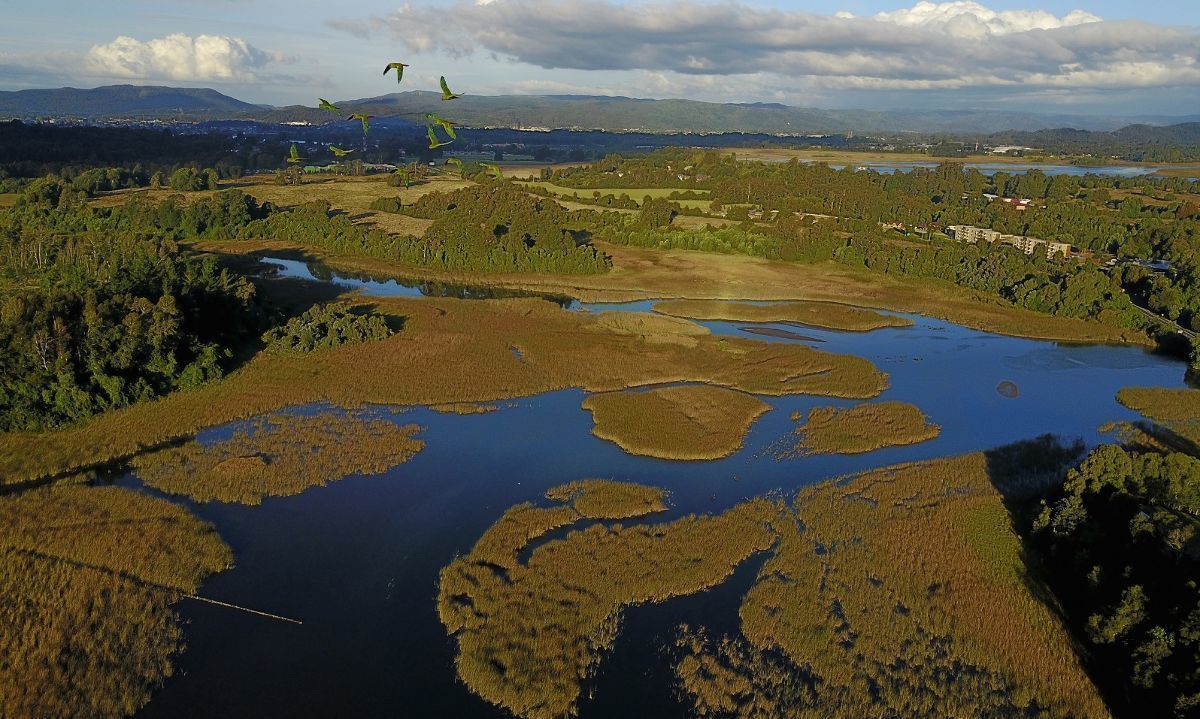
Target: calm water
(358,561)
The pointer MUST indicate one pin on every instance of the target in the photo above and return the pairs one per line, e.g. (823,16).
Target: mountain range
(130,102)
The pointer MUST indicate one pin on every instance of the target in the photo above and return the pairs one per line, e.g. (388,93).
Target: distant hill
(665,116)
(1143,142)
(124,101)
(547,111)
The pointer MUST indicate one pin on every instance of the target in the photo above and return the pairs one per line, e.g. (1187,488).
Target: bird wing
(446,94)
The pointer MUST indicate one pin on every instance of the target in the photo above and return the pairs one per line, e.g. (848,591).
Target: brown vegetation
(1176,409)
(470,342)
(829,315)
(909,580)
(862,428)
(279,456)
(685,423)
(530,634)
(87,578)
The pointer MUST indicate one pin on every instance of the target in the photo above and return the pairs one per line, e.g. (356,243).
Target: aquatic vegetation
(686,423)
(863,428)
(1008,389)
(531,633)
(278,456)
(1176,409)
(327,326)
(471,343)
(463,408)
(87,579)
(909,580)
(829,315)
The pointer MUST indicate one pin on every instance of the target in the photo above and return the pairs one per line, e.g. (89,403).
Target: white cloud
(927,14)
(178,57)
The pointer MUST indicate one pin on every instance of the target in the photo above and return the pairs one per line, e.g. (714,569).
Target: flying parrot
(398,67)
(327,105)
(365,119)
(339,151)
(294,156)
(446,94)
(494,169)
(443,123)
(434,142)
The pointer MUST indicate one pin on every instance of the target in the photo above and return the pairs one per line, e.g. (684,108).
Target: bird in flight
(443,123)
(454,161)
(446,94)
(339,151)
(327,105)
(494,169)
(398,67)
(365,119)
(294,156)
(434,142)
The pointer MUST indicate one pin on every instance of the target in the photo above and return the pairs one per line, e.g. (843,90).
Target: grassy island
(686,423)
(863,428)
(278,456)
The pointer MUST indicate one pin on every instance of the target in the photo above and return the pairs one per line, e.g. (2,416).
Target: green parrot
(446,94)
(327,105)
(434,142)
(294,157)
(443,123)
(454,161)
(339,151)
(365,119)
(398,67)
(494,169)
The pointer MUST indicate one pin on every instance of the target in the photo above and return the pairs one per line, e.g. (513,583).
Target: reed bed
(87,579)
(1176,409)
(828,315)
(279,456)
(862,428)
(909,580)
(470,343)
(682,423)
(531,634)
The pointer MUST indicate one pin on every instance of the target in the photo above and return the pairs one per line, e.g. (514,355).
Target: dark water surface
(358,561)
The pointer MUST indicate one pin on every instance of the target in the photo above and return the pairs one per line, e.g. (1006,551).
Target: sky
(1111,57)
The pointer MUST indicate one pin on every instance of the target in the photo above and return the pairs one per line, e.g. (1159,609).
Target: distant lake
(358,561)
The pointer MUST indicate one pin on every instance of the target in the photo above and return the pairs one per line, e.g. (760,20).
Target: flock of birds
(433,122)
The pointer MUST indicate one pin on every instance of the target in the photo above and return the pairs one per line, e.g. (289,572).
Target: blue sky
(1109,56)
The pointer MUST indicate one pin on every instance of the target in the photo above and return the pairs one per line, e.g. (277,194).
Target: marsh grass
(828,315)
(531,634)
(279,455)
(682,423)
(910,580)
(87,579)
(1175,409)
(862,428)
(470,344)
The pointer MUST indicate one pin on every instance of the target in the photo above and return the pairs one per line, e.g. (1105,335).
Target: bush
(325,327)
(387,204)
